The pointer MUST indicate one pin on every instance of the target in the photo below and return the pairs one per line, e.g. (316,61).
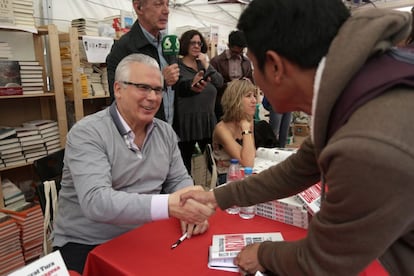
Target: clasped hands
(247,259)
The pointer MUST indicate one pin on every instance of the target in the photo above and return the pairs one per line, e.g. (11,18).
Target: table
(147,249)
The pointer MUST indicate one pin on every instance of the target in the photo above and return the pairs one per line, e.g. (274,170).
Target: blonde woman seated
(233,136)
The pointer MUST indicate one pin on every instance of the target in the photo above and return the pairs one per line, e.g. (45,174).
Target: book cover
(6,132)
(229,245)
(10,82)
(41,124)
(10,189)
(311,197)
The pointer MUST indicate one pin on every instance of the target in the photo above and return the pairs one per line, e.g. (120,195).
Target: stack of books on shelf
(31,142)
(287,210)
(5,50)
(12,194)
(86,26)
(31,75)
(11,254)
(23,13)
(49,134)
(29,218)
(10,148)
(10,82)
(225,247)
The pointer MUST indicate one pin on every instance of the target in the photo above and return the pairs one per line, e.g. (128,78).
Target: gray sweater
(106,187)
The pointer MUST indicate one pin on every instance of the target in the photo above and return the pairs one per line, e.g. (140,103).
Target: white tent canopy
(191,13)
(183,13)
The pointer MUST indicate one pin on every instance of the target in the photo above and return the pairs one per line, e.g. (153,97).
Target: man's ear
(137,4)
(275,66)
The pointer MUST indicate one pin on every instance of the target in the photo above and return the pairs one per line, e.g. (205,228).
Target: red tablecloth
(147,249)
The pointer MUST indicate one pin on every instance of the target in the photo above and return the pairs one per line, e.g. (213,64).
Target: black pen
(180,240)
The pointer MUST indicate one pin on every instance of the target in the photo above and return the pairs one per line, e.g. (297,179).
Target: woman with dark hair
(194,120)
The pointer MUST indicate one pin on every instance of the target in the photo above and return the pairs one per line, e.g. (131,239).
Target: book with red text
(229,245)
(311,197)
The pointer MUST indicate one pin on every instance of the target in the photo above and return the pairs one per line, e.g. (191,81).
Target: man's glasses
(145,88)
(198,43)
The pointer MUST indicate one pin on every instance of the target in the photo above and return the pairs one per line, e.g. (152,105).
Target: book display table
(147,249)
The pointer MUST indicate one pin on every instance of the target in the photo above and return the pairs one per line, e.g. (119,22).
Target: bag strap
(50,199)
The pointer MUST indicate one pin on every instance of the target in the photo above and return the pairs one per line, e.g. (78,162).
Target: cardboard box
(301,129)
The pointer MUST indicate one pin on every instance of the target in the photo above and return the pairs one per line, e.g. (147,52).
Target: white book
(30,138)
(16,163)
(41,124)
(33,147)
(11,150)
(9,146)
(35,154)
(33,142)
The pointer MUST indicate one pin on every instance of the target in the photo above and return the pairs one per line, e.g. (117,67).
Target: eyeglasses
(145,88)
(198,43)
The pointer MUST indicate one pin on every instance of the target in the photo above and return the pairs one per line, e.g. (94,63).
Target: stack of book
(225,247)
(49,134)
(10,82)
(288,210)
(31,75)
(29,218)
(11,193)
(23,13)
(267,157)
(86,26)
(31,142)
(10,148)
(311,198)
(5,50)
(11,254)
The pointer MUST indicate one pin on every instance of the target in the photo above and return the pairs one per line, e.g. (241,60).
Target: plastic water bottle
(247,212)
(233,174)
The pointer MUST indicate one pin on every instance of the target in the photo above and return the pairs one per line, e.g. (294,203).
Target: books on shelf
(11,255)
(41,124)
(225,247)
(29,218)
(11,192)
(26,131)
(6,132)
(10,82)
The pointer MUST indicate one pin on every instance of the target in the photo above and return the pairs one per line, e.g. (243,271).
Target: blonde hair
(232,100)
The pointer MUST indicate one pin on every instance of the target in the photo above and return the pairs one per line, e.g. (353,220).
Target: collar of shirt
(129,137)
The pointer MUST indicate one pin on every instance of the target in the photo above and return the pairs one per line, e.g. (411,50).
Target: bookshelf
(81,103)
(43,44)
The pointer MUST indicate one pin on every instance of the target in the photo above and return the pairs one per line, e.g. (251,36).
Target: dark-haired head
(185,41)
(236,38)
(299,30)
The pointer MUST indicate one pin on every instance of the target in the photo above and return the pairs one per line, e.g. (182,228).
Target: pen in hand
(180,240)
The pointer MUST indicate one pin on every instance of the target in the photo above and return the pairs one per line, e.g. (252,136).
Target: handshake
(192,204)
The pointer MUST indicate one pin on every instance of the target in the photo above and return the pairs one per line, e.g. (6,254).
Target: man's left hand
(247,259)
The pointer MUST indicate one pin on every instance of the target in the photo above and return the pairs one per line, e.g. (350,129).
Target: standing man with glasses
(122,168)
(145,37)
(232,65)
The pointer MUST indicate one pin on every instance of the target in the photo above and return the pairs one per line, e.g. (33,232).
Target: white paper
(51,265)
(97,48)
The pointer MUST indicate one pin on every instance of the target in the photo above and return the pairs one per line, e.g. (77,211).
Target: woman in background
(233,136)
(194,120)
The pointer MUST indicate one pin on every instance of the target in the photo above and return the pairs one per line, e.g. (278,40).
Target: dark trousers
(187,150)
(74,255)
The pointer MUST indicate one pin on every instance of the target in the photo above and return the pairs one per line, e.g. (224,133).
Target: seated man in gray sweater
(122,168)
